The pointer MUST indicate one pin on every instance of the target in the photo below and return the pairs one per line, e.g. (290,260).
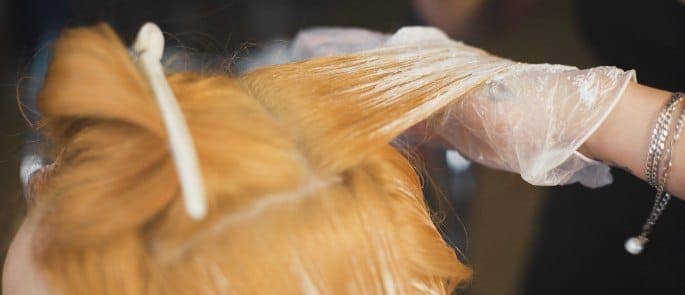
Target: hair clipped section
(305,193)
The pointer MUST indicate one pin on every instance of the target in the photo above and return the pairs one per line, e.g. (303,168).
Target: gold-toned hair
(305,192)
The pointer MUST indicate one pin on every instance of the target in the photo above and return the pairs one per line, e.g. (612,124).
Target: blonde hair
(305,192)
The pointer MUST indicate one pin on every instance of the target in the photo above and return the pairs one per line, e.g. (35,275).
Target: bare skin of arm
(623,139)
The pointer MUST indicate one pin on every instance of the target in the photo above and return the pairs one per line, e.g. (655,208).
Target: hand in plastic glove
(523,118)
(324,41)
(531,119)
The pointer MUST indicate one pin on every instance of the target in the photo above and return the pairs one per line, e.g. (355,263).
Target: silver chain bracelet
(635,245)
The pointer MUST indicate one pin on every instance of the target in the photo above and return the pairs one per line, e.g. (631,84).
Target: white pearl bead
(634,246)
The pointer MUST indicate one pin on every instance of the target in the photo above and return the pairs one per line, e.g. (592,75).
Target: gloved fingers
(329,41)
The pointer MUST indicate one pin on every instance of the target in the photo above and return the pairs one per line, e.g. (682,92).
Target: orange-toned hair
(306,195)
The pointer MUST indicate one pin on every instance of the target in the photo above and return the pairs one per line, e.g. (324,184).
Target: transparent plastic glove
(525,118)
(531,119)
(327,41)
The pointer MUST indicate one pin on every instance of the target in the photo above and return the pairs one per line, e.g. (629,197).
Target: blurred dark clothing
(579,248)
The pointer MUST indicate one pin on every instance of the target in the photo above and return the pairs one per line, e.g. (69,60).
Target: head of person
(305,192)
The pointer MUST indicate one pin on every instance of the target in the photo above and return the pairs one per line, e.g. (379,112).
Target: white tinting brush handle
(149,47)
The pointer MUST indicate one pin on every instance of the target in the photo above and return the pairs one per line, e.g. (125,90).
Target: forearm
(623,139)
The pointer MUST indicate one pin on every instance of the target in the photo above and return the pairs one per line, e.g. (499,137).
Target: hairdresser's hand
(525,118)
(531,119)
(327,41)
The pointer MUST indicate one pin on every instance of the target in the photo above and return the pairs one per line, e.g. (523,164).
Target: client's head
(305,193)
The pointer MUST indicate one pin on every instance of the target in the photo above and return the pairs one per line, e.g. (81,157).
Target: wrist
(623,138)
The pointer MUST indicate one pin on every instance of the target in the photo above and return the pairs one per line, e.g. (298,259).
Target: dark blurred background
(519,239)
